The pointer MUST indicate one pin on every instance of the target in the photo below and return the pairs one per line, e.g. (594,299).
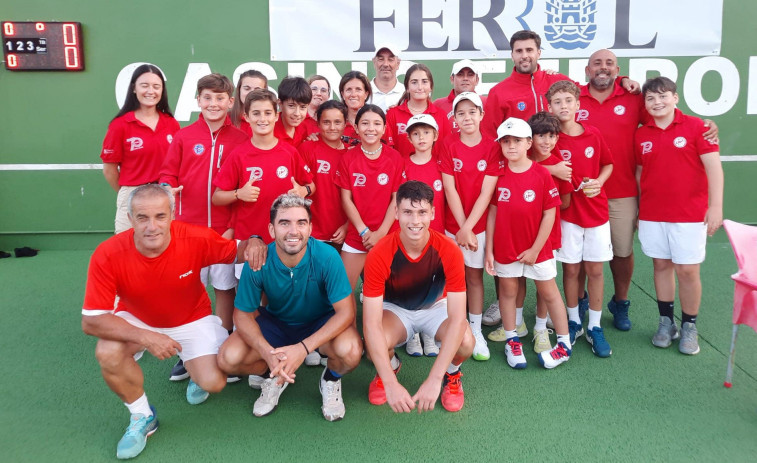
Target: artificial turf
(642,404)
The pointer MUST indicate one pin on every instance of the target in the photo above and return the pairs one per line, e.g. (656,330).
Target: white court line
(22,167)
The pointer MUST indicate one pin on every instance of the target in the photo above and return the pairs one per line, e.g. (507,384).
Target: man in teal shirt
(310,306)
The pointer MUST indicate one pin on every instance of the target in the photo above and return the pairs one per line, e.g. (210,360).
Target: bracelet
(166,185)
(235,195)
(364,231)
(310,192)
(306,347)
(255,236)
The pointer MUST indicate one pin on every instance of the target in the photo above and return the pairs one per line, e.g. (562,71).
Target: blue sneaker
(195,394)
(619,311)
(583,306)
(135,438)
(599,345)
(575,330)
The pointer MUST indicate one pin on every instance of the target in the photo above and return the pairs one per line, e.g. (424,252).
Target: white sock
(541,324)
(475,321)
(140,406)
(511,334)
(594,317)
(573,315)
(518,316)
(452,368)
(394,362)
(549,319)
(565,339)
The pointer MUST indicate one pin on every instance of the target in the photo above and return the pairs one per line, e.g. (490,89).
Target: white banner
(347,30)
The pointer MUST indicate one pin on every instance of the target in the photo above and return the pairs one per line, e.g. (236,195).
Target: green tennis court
(642,404)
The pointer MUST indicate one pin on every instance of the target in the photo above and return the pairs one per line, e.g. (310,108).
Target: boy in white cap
(521,216)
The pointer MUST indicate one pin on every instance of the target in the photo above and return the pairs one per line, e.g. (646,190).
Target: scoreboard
(42,46)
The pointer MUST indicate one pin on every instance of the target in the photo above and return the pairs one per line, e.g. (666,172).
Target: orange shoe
(453,396)
(376,392)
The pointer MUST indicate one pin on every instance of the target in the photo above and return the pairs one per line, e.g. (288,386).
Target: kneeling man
(415,283)
(310,306)
(163,307)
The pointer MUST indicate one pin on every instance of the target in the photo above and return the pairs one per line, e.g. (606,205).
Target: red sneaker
(453,396)
(376,392)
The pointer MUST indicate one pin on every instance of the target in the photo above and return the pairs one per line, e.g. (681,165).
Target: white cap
(470,96)
(514,127)
(393,49)
(462,64)
(427,119)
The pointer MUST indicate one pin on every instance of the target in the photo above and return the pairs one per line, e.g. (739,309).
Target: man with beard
(606,105)
(386,89)
(310,306)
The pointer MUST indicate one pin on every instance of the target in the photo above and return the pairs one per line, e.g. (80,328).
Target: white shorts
(584,244)
(222,276)
(541,271)
(347,248)
(122,209)
(683,243)
(473,259)
(197,338)
(425,321)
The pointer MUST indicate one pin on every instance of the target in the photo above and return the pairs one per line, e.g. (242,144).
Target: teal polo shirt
(296,295)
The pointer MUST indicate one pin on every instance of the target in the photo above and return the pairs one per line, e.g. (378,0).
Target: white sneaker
(541,341)
(269,397)
(255,381)
(492,316)
(514,354)
(481,350)
(414,347)
(331,393)
(313,359)
(430,349)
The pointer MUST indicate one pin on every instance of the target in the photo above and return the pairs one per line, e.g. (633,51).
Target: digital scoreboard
(42,46)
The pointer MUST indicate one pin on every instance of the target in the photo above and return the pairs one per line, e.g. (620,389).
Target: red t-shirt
(323,161)
(521,198)
(673,180)
(163,291)
(445,106)
(468,165)
(519,95)
(587,153)
(414,284)
(372,183)
(138,149)
(300,133)
(564,188)
(310,125)
(396,127)
(193,161)
(617,119)
(273,170)
(429,174)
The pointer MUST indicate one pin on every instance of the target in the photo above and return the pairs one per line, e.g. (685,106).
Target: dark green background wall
(55,117)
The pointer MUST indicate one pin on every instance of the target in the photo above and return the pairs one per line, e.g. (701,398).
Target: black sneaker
(178,372)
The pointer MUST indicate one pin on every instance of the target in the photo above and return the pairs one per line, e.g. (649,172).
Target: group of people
(283,201)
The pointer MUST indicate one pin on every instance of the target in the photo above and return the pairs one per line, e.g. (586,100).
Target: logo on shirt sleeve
(458,164)
(589,152)
(521,106)
(256,173)
(529,196)
(481,165)
(619,110)
(382,179)
(135,143)
(565,155)
(582,115)
(438,185)
(679,142)
(282,172)
(198,149)
(324,167)
(504,194)
(554,192)
(646,147)
(359,180)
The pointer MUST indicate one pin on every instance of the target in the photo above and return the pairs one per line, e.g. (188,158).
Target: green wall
(61,118)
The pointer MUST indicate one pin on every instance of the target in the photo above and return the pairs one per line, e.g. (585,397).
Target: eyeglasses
(320,89)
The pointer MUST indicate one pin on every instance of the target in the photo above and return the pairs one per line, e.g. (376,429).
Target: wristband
(366,230)
(166,185)
(306,347)
(256,236)
(310,192)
